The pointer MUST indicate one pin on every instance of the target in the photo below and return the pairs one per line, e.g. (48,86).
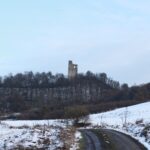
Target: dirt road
(104,139)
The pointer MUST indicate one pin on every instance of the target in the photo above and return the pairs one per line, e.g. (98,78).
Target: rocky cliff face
(65,94)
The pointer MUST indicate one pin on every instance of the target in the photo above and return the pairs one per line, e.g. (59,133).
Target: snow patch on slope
(115,117)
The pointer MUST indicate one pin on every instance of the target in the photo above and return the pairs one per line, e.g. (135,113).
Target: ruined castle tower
(72,70)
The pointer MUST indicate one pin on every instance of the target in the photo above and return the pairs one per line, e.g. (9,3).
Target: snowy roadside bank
(133,120)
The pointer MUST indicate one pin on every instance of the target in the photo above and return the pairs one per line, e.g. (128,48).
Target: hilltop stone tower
(72,70)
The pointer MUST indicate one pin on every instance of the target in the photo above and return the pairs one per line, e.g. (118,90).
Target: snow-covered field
(133,120)
(46,134)
(29,137)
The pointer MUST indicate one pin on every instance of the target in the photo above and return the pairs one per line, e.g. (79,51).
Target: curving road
(104,139)
(92,141)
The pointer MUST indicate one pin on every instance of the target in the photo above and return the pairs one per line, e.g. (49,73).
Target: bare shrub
(139,121)
(78,113)
(67,136)
(145,132)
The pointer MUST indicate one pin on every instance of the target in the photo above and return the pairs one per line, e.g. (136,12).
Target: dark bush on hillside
(78,113)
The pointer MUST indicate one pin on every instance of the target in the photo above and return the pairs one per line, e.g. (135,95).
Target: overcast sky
(109,36)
